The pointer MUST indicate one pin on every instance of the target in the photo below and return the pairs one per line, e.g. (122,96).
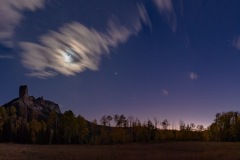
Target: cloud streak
(6,57)
(166,9)
(74,47)
(11,16)
(193,76)
(165,93)
(144,15)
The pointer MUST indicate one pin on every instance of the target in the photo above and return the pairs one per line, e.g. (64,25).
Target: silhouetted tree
(165,124)
(120,121)
(104,120)
(109,119)
(155,122)
(200,128)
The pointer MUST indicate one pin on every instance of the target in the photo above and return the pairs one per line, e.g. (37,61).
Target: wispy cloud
(74,47)
(6,57)
(11,12)
(236,42)
(166,9)
(144,15)
(165,92)
(193,76)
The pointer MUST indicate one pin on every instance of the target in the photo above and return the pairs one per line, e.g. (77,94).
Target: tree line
(22,125)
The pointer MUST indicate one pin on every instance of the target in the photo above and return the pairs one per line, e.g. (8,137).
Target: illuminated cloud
(74,47)
(11,12)
(165,92)
(166,9)
(193,76)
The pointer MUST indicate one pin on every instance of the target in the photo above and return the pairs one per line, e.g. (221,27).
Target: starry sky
(174,59)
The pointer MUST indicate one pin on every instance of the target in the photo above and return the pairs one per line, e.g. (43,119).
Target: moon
(68,55)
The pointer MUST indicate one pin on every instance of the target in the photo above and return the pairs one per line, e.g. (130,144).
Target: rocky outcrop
(29,103)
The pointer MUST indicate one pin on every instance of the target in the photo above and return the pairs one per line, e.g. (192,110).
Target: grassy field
(169,150)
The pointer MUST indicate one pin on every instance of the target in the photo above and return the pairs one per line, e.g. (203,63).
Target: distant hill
(28,104)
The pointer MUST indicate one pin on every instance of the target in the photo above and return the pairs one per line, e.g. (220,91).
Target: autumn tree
(104,135)
(94,132)
(21,124)
(34,126)
(69,126)
(3,119)
(226,127)
(43,139)
(11,128)
(82,130)
(52,126)
(119,135)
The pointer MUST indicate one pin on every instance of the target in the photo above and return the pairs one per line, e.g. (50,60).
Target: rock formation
(29,103)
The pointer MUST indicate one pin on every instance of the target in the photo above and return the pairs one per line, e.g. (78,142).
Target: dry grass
(170,150)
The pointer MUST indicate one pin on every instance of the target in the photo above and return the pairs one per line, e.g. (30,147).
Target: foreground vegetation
(23,125)
(134,151)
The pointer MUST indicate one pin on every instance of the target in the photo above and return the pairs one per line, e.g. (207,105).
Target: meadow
(164,150)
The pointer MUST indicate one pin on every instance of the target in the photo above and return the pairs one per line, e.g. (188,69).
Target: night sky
(177,59)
